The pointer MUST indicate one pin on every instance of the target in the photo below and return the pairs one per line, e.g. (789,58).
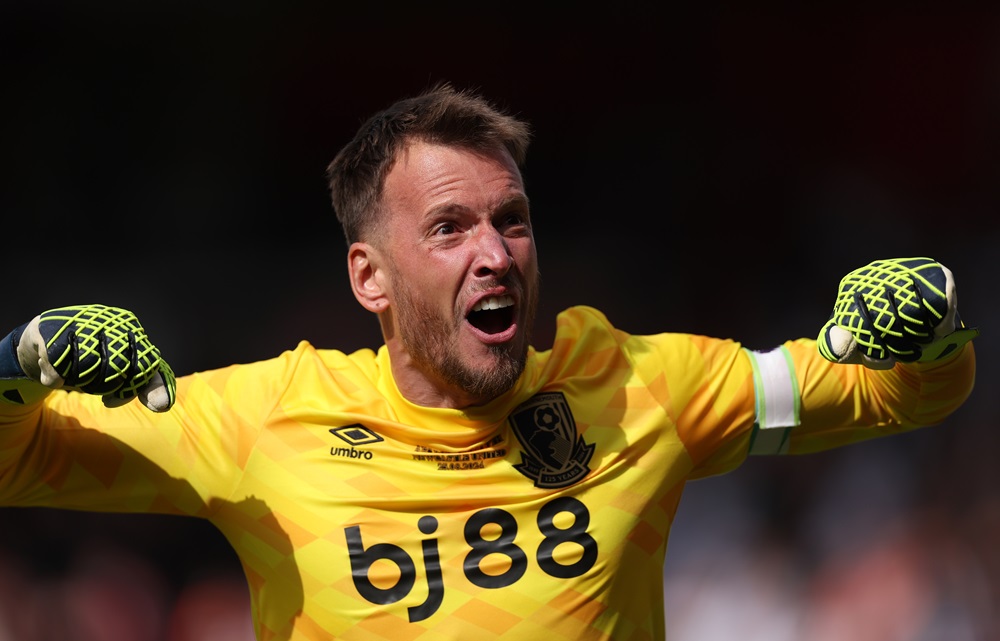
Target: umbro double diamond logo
(354,435)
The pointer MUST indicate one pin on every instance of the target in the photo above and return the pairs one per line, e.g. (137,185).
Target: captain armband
(778,401)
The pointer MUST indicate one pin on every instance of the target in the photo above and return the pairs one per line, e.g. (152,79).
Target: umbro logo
(354,435)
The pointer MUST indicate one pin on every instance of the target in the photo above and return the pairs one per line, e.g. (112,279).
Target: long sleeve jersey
(542,515)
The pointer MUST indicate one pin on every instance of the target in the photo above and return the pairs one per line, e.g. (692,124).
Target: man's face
(462,272)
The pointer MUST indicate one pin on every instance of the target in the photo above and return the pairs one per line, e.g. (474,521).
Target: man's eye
(513,220)
(444,229)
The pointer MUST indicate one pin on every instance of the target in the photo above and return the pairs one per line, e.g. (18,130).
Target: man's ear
(364,267)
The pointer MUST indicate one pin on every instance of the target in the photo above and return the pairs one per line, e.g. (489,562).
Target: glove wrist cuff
(10,366)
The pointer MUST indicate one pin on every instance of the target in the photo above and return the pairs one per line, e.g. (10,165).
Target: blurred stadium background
(712,170)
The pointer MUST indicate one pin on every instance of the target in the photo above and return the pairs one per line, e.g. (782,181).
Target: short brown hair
(441,114)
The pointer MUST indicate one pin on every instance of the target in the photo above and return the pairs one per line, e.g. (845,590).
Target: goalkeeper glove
(901,309)
(90,348)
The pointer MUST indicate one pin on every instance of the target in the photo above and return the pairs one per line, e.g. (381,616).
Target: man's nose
(493,255)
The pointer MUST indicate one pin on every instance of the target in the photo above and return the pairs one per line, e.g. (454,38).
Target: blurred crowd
(89,577)
(876,556)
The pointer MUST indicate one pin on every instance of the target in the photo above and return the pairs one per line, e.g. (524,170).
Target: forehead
(427,175)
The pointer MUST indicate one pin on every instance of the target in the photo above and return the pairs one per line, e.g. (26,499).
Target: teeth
(493,302)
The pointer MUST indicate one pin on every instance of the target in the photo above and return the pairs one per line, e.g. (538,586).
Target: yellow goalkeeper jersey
(543,515)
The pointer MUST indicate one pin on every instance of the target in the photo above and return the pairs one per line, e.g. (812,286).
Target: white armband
(776,390)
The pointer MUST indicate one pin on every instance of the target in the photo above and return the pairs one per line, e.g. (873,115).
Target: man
(457,483)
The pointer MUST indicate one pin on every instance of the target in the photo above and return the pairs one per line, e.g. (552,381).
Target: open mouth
(493,314)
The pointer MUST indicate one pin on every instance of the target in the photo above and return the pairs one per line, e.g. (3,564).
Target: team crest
(554,454)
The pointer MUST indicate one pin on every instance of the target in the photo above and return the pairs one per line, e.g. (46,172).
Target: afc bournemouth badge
(554,455)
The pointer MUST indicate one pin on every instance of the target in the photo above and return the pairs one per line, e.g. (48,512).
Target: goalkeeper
(454,482)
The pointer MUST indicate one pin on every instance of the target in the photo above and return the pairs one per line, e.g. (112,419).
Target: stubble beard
(429,339)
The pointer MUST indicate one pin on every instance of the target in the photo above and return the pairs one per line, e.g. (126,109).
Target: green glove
(900,309)
(93,349)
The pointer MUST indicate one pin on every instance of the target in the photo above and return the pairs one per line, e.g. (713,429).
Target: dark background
(713,170)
